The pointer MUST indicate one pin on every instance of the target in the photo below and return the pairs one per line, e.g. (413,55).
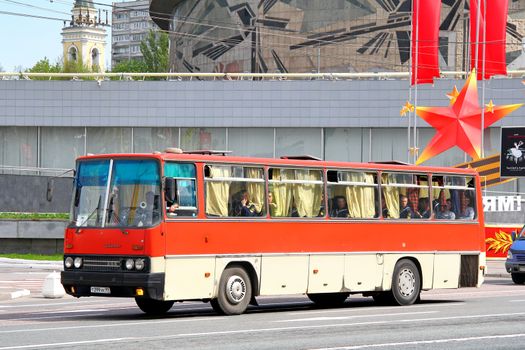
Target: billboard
(512,152)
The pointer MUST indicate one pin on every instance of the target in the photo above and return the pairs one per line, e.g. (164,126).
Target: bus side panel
(446,270)
(363,272)
(189,277)
(425,262)
(326,273)
(284,274)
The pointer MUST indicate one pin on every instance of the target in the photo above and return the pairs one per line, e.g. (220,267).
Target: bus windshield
(116,193)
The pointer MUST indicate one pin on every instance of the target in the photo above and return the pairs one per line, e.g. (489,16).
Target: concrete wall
(38,237)
(27,193)
(269,103)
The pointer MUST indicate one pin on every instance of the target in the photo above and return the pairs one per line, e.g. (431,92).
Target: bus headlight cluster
(70,262)
(137,264)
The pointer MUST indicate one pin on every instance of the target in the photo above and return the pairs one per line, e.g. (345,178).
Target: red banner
(498,240)
(425,37)
(492,24)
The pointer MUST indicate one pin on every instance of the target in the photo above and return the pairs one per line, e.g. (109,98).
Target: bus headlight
(130,264)
(139,264)
(509,255)
(78,263)
(68,263)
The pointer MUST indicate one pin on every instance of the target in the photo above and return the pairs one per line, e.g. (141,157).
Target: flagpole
(483,80)
(410,84)
(415,85)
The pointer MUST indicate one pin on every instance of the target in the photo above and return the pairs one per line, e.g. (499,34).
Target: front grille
(520,257)
(102,263)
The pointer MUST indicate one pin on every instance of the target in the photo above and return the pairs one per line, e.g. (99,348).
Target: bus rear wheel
(406,283)
(328,299)
(518,278)
(154,307)
(235,292)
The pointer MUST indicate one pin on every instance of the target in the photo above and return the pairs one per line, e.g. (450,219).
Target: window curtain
(308,196)
(391,195)
(256,189)
(218,192)
(282,193)
(360,199)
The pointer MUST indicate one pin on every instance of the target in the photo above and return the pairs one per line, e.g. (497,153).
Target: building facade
(84,39)
(314,35)
(130,25)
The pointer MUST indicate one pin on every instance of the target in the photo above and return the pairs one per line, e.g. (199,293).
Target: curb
(15,295)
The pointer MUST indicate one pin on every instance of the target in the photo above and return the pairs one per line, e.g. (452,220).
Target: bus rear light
(482,268)
(207,274)
(139,292)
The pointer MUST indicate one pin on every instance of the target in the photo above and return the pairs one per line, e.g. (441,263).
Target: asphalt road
(491,317)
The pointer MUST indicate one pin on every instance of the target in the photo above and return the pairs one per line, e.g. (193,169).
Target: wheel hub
(407,282)
(236,289)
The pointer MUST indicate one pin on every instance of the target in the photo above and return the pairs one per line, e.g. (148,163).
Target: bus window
(352,194)
(405,196)
(184,202)
(234,190)
(296,193)
(454,197)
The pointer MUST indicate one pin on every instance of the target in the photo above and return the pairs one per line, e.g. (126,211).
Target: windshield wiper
(90,215)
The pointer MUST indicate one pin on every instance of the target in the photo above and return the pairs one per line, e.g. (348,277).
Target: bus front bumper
(117,284)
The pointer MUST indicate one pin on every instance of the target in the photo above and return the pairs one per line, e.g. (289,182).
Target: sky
(24,41)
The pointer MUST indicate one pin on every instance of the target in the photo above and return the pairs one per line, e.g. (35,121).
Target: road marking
(517,301)
(334,318)
(51,317)
(265,330)
(73,302)
(65,344)
(421,342)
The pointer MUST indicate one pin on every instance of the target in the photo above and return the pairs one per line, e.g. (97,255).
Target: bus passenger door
(363,272)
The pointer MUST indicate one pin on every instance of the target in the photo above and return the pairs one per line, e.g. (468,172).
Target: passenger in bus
(404,210)
(384,209)
(439,201)
(294,212)
(340,209)
(272,205)
(243,207)
(444,212)
(423,211)
(466,211)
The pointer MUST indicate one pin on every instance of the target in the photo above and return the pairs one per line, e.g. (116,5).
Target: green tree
(76,67)
(155,50)
(129,66)
(44,66)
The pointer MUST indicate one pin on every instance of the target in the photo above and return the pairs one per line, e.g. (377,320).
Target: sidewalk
(17,288)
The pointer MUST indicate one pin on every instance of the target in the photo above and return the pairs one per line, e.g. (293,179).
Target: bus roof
(207,158)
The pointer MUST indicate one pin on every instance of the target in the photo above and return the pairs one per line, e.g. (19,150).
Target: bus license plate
(100,290)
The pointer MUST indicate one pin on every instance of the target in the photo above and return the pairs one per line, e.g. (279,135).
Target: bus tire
(328,299)
(154,307)
(235,292)
(406,283)
(518,278)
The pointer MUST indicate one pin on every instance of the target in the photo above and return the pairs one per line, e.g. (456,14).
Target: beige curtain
(256,189)
(391,195)
(217,193)
(307,196)
(361,200)
(282,193)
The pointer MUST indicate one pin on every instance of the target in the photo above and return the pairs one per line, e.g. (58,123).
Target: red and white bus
(178,226)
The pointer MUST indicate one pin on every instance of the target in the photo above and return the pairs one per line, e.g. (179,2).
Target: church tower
(84,39)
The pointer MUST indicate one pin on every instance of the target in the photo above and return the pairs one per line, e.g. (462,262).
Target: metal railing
(234,76)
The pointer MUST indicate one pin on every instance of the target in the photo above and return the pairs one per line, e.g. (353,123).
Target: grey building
(130,24)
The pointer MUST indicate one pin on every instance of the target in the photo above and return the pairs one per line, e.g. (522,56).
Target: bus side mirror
(513,235)
(50,188)
(170,189)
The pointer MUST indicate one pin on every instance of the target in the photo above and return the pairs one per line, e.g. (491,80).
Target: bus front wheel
(235,292)
(328,299)
(154,307)
(406,283)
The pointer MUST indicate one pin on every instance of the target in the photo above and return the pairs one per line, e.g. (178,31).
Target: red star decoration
(460,124)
